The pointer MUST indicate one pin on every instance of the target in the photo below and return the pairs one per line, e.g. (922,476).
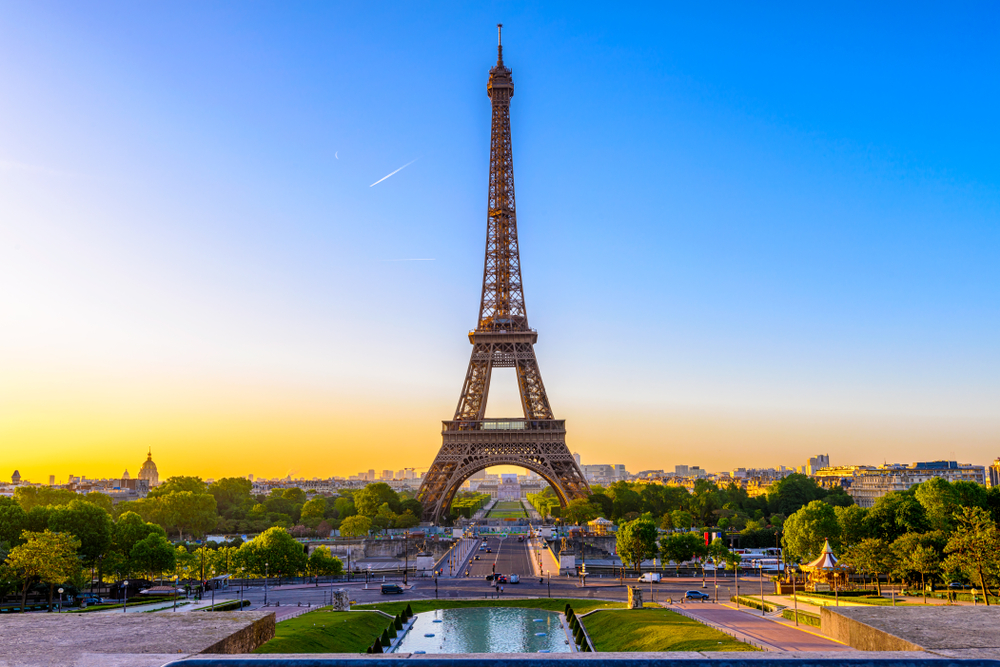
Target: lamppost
(242,582)
(125,591)
(60,601)
(175,592)
(266,572)
(212,580)
(760,575)
(406,554)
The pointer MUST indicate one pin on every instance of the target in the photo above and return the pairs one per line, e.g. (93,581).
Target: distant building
(994,474)
(834,476)
(870,485)
(52,480)
(386,475)
(148,471)
(510,488)
(815,463)
(576,457)
(15,478)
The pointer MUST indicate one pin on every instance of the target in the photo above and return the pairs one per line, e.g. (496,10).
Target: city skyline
(790,260)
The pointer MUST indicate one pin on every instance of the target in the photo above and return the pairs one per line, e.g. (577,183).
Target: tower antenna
(499,43)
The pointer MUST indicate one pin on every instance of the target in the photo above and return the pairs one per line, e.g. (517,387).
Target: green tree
(636,541)
(192,485)
(355,526)
(29,497)
(939,501)
(296,495)
(13,520)
(370,499)
(46,556)
(314,509)
(682,547)
(231,494)
(88,523)
(580,511)
(853,522)
(806,530)
(154,554)
(871,557)
(406,520)
(384,517)
(681,519)
(101,500)
(925,561)
(974,547)
(187,511)
(896,514)
(705,499)
(276,549)
(322,563)
(790,494)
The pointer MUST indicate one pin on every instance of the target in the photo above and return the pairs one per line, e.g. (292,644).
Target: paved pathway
(765,630)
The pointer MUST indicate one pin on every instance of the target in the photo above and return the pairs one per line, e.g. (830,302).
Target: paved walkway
(538,548)
(763,630)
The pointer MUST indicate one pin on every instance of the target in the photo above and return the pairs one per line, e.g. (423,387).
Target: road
(508,557)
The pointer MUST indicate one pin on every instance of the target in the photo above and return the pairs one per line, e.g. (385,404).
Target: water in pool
(486,630)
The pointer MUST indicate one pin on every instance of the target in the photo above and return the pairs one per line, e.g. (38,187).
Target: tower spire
(499,44)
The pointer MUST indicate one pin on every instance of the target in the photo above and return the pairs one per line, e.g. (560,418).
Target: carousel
(824,573)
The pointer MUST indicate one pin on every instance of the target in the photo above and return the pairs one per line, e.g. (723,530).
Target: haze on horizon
(748,234)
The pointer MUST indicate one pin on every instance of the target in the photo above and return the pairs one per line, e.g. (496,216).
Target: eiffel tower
(501,340)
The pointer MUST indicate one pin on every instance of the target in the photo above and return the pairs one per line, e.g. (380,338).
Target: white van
(648,577)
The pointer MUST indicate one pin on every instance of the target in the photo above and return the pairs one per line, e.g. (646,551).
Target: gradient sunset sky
(750,233)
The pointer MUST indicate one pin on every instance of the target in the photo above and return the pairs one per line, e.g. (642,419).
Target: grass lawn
(548,604)
(829,600)
(508,509)
(326,631)
(656,630)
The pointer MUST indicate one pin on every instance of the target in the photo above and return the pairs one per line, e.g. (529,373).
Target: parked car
(391,589)
(90,600)
(514,579)
(958,585)
(696,595)
(650,577)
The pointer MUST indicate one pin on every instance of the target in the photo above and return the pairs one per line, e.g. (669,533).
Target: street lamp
(212,580)
(60,600)
(125,590)
(406,554)
(266,571)
(242,582)
(175,592)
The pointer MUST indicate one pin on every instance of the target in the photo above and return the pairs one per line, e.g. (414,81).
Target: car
(489,577)
(957,584)
(696,595)
(489,551)
(391,589)
(90,599)
(648,577)
(477,557)
(514,579)
(520,539)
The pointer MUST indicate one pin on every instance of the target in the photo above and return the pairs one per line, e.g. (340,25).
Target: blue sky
(749,233)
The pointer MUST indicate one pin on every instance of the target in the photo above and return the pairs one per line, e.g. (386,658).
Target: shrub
(385,638)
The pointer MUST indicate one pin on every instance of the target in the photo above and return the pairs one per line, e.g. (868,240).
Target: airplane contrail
(395,172)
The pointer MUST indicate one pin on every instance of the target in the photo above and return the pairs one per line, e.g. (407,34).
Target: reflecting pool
(486,630)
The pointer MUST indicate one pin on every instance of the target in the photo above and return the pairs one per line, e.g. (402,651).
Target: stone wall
(247,639)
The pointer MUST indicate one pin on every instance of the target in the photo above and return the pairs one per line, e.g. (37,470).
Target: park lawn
(326,631)
(547,604)
(653,630)
(830,600)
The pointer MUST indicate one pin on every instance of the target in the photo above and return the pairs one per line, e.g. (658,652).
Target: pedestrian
(501,590)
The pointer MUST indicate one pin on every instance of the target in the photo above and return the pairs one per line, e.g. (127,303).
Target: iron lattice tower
(502,339)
